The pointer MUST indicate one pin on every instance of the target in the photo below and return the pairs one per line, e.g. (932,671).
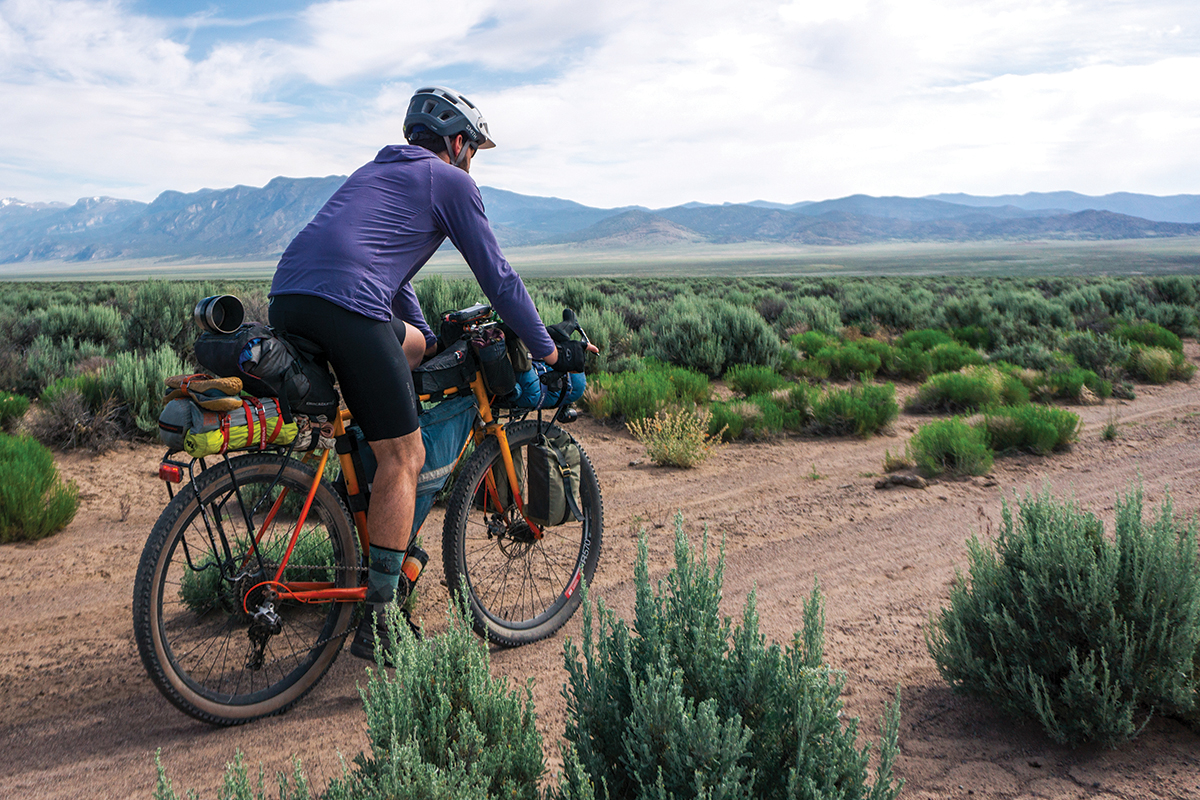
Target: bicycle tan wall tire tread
(172,642)
(518,592)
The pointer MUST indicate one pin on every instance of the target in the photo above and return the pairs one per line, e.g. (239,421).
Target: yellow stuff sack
(256,425)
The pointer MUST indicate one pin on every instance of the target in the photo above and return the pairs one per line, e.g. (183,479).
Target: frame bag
(444,430)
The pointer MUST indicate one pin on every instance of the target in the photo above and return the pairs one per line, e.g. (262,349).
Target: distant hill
(249,222)
(1173,208)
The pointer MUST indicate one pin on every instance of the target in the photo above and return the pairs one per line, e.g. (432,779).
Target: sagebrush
(694,707)
(1086,634)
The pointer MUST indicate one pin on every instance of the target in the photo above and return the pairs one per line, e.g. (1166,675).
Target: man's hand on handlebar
(569,353)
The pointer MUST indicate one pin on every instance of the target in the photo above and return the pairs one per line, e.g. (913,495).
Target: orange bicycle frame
(322,591)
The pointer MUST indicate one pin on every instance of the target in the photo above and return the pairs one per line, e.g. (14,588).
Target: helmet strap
(462,153)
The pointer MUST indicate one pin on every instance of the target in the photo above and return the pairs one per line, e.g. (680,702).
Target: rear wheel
(519,588)
(213,636)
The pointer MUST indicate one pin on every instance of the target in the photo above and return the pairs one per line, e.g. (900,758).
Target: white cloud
(611,103)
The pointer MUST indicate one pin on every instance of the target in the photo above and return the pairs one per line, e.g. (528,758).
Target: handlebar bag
(451,369)
(183,425)
(554,465)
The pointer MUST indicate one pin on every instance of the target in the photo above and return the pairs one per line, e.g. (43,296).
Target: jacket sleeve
(406,306)
(458,211)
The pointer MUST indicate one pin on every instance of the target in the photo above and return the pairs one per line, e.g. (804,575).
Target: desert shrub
(47,360)
(897,462)
(441,728)
(1156,365)
(1032,428)
(1101,353)
(675,438)
(205,589)
(607,330)
(1069,384)
(437,295)
(925,339)
(760,417)
(1179,320)
(69,421)
(1031,355)
(1177,290)
(969,390)
(750,379)
(160,313)
(690,387)
(1082,633)
(34,501)
(952,357)
(811,342)
(693,707)
(727,420)
(974,336)
(87,384)
(138,384)
(637,395)
(846,360)
(860,410)
(1149,334)
(98,324)
(12,409)
(811,314)
(881,350)
(911,363)
(875,304)
(950,445)
(711,336)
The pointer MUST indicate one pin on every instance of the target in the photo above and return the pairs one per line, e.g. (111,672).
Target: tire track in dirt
(81,716)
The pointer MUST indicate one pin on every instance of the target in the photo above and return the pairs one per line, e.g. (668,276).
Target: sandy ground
(80,717)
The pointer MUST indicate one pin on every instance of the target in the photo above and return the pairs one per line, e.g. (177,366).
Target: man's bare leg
(389,521)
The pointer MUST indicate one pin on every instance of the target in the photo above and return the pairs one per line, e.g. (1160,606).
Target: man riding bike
(345,283)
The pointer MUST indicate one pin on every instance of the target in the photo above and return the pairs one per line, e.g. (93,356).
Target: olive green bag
(554,472)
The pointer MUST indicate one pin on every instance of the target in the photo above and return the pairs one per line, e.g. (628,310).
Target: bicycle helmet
(445,112)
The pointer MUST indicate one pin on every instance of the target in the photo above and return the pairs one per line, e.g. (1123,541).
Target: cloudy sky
(610,102)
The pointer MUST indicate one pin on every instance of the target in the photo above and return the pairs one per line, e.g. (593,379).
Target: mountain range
(247,222)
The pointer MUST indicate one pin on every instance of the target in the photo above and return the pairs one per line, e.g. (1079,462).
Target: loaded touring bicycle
(254,573)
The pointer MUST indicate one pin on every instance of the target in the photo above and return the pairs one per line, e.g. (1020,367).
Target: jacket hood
(402,152)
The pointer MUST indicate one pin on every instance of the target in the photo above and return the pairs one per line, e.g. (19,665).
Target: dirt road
(80,717)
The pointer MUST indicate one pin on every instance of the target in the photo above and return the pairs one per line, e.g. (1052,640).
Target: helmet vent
(446,116)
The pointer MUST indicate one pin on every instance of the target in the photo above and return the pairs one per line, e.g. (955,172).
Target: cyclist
(345,283)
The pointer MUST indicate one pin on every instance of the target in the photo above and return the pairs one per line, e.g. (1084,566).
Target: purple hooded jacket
(364,246)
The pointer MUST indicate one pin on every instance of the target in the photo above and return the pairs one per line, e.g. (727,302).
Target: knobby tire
(191,630)
(519,590)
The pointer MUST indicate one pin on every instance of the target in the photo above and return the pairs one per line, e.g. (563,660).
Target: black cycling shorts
(367,356)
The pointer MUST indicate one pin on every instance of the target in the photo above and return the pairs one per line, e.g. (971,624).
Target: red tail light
(170,473)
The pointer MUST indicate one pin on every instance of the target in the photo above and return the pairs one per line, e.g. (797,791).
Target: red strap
(262,424)
(278,419)
(249,422)
(224,432)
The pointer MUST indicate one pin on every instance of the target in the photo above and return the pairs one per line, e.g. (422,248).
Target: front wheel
(519,588)
(215,639)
